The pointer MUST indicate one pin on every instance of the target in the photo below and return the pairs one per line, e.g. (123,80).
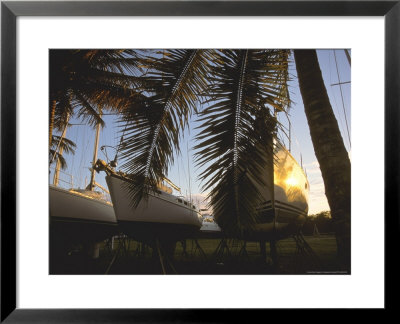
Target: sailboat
(79,216)
(209,228)
(285,208)
(163,216)
(283,211)
(209,224)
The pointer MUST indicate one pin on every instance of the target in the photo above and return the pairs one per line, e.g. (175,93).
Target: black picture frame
(10,10)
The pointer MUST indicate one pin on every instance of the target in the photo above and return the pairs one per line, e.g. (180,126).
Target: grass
(136,258)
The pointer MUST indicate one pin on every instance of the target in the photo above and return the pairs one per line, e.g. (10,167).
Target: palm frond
(64,109)
(90,81)
(86,111)
(236,132)
(57,157)
(65,144)
(60,144)
(174,83)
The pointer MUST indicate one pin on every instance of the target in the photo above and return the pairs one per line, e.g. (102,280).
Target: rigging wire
(341,95)
(332,95)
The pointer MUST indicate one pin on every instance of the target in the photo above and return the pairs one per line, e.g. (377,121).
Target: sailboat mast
(290,136)
(190,189)
(272,175)
(96,147)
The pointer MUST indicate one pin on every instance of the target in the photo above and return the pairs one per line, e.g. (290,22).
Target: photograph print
(199,161)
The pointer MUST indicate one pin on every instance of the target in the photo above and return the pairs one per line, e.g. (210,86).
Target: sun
(291,181)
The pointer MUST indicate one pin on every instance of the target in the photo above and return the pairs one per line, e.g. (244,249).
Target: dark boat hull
(64,231)
(150,231)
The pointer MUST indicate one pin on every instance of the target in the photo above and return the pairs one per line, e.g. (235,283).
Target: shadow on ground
(130,257)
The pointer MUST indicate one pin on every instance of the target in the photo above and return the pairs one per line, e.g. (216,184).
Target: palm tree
(328,146)
(86,81)
(58,145)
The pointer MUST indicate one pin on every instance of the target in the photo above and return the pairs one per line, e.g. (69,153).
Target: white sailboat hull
(162,216)
(210,227)
(77,218)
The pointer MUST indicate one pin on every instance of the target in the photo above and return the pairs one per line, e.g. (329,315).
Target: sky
(184,172)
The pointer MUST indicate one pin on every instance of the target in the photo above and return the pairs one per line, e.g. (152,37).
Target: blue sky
(184,173)
(301,132)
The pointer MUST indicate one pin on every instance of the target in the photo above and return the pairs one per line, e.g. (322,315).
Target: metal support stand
(184,245)
(304,251)
(263,250)
(93,250)
(140,250)
(160,256)
(164,257)
(109,245)
(243,250)
(113,259)
(123,247)
(199,249)
(124,242)
(274,254)
(222,250)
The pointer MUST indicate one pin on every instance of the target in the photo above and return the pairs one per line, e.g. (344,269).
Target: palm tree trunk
(328,146)
(51,123)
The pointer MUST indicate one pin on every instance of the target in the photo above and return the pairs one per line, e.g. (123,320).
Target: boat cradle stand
(124,247)
(304,252)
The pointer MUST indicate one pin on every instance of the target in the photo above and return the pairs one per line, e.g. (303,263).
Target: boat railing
(106,193)
(64,180)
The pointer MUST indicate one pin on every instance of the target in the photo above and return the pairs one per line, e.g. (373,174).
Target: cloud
(317,197)
(318,206)
(200,200)
(313,164)
(199,196)
(312,168)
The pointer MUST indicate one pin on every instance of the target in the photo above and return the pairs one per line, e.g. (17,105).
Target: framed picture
(29,29)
